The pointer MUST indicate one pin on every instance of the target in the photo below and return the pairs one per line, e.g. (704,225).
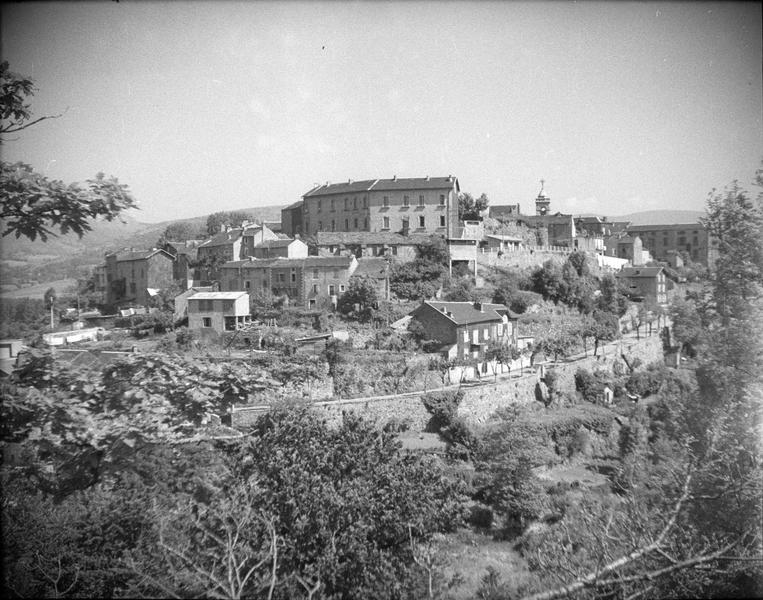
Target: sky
(207,106)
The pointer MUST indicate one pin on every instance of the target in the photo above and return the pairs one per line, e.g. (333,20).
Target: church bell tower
(542,202)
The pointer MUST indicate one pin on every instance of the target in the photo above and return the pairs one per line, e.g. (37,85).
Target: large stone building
(309,282)
(133,277)
(232,243)
(664,241)
(420,205)
(366,244)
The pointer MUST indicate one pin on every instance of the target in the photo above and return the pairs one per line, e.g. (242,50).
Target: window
(264,284)
(341,288)
(281,277)
(332,290)
(248,284)
(346,203)
(422,221)
(384,226)
(421,200)
(442,220)
(394,250)
(315,288)
(315,273)
(466,336)
(365,201)
(356,222)
(386,200)
(365,223)
(206,322)
(320,225)
(442,199)
(355,202)
(132,287)
(346,224)
(332,205)
(319,206)
(475,336)
(294,275)
(485,334)
(406,201)
(335,274)
(333,225)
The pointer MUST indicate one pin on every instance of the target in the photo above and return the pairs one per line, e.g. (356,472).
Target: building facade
(647,283)
(419,205)
(664,240)
(280,249)
(366,244)
(310,282)
(465,329)
(218,311)
(131,276)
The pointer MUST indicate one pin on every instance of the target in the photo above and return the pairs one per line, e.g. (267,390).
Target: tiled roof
(347,187)
(376,268)
(359,238)
(696,225)
(464,313)
(342,262)
(293,205)
(639,271)
(217,296)
(125,256)
(223,238)
(284,243)
(409,183)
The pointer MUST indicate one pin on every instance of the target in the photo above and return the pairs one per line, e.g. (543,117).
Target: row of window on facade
(386,223)
(385,201)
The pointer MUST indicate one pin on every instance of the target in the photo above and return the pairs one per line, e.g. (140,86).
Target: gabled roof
(223,238)
(466,313)
(276,243)
(396,183)
(375,268)
(631,272)
(142,255)
(294,205)
(217,296)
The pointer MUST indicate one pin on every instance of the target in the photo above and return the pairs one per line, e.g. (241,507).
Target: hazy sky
(206,106)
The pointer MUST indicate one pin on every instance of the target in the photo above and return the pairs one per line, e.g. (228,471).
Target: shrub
(645,383)
(481,516)
(443,406)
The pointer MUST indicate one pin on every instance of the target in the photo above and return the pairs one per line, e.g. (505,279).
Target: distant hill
(661,217)
(27,263)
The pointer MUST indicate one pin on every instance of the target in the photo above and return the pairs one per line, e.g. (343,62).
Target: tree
(361,291)
(33,205)
(180,231)
(469,209)
(16,114)
(232,218)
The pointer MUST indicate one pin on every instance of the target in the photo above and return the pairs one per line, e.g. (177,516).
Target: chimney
(427,177)
(349,181)
(394,178)
(222,228)
(449,177)
(478,306)
(443,309)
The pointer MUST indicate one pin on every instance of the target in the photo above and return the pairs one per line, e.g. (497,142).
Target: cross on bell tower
(542,202)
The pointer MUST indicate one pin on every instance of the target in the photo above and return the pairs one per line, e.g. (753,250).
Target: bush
(443,406)
(480,516)
(645,383)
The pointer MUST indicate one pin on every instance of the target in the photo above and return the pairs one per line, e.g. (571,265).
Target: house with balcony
(218,312)
(465,330)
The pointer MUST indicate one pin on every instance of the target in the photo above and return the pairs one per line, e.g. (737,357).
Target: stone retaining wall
(480,400)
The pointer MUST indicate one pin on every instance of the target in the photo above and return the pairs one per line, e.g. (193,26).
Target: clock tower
(542,202)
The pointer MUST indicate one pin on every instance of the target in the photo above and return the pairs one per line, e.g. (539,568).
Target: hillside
(32,263)
(661,217)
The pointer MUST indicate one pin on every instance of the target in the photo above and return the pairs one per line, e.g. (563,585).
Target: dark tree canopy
(226,218)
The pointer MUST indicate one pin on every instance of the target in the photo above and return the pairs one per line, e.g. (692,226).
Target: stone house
(464,330)
(132,277)
(308,282)
(280,249)
(218,311)
(647,282)
(691,238)
(419,205)
(233,243)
